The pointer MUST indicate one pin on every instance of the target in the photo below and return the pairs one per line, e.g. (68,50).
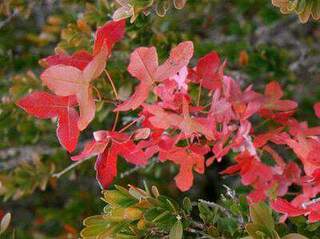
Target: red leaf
(43,105)
(188,161)
(283,206)
(317,109)
(274,93)
(187,124)
(209,71)
(106,168)
(79,59)
(111,33)
(108,146)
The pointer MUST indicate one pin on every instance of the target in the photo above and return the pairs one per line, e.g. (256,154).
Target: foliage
(204,120)
(132,8)
(137,213)
(304,8)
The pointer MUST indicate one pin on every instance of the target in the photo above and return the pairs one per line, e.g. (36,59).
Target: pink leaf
(68,80)
(144,66)
(179,57)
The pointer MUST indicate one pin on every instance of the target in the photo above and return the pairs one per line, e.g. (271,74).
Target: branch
(137,168)
(70,167)
(9,18)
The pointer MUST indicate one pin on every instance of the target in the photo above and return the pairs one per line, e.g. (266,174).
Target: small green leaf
(176,231)
(213,231)
(155,191)
(312,227)
(187,205)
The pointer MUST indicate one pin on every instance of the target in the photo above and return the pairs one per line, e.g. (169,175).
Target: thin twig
(9,18)
(115,121)
(112,84)
(116,95)
(215,205)
(70,167)
(129,125)
(98,93)
(137,168)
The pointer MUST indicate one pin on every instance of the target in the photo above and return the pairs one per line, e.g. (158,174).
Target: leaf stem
(116,95)
(112,84)
(129,125)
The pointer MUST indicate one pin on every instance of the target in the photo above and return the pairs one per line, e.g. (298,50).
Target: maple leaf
(262,139)
(110,33)
(221,109)
(188,125)
(188,161)
(209,71)
(245,103)
(44,106)
(79,59)
(251,170)
(108,146)
(307,150)
(181,79)
(273,94)
(283,206)
(145,67)
(68,80)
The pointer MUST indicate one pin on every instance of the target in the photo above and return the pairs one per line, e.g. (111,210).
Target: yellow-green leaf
(176,231)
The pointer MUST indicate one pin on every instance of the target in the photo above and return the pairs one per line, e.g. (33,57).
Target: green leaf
(118,199)
(261,214)
(187,205)
(294,236)
(228,225)
(256,231)
(312,227)
(176,231)
(213,231)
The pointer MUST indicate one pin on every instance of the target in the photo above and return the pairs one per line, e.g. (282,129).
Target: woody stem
(70,167)
(129,125)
